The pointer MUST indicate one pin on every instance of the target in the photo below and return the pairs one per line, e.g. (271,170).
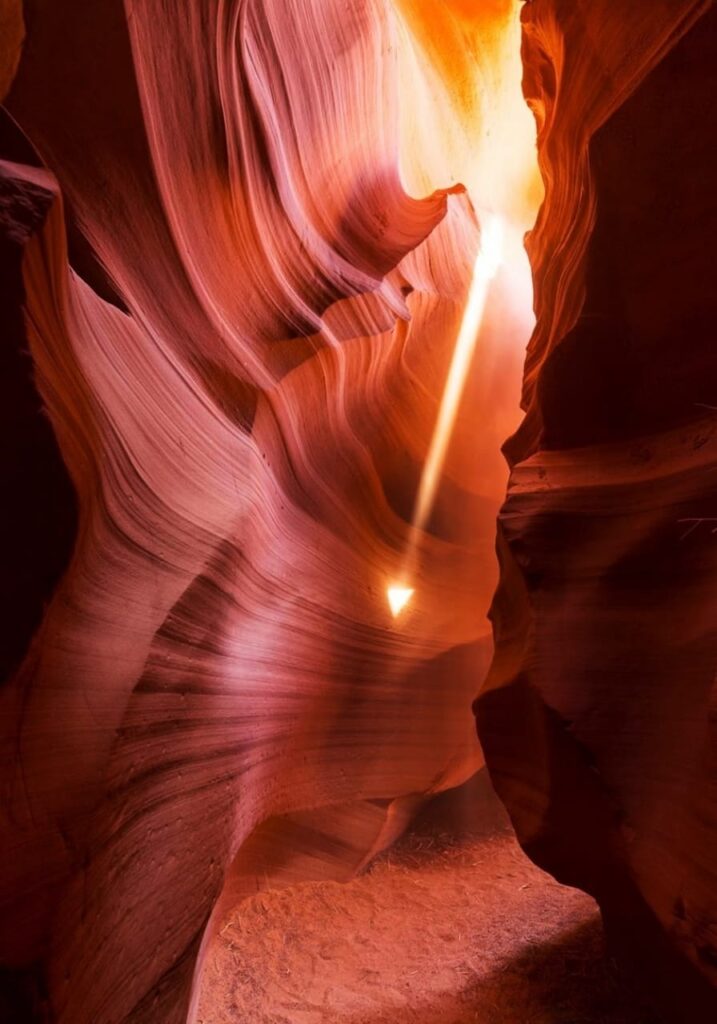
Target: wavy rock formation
(598,718)
(240,324)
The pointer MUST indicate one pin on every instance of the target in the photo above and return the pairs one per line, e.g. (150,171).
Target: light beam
(486,267)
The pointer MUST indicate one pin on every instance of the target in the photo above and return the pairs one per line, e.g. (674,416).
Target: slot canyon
(359,517)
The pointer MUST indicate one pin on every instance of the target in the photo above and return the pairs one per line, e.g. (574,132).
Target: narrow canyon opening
(463,125)
(359,387)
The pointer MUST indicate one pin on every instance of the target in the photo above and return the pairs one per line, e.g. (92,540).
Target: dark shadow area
(568,981)
(472,809)
(38,515)
(22,996)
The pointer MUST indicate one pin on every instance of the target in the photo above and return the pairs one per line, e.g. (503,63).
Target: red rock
(240,325)
(598,716)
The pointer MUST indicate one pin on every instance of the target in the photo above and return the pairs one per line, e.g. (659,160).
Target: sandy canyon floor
(451,926)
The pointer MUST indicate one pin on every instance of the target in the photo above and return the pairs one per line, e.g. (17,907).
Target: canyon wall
(230,327)
(228,330)
(598,718)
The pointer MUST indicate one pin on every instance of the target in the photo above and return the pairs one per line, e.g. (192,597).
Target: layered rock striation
(598,717)
(238,325)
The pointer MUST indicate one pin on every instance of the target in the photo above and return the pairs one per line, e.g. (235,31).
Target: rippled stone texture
(240,325)
(598,718)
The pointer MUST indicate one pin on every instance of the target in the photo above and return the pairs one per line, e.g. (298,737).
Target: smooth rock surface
(240,325)
(598,717)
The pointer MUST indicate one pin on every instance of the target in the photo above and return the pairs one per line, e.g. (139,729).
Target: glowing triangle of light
(398,598)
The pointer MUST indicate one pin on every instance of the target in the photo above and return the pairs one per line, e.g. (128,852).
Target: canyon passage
(359,399)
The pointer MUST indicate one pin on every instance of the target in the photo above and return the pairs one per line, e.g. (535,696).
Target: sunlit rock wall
(598,719)
(229,329)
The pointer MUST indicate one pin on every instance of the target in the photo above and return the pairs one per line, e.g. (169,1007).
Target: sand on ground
(447,927)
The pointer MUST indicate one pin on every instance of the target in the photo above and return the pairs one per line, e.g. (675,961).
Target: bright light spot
(398,598)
